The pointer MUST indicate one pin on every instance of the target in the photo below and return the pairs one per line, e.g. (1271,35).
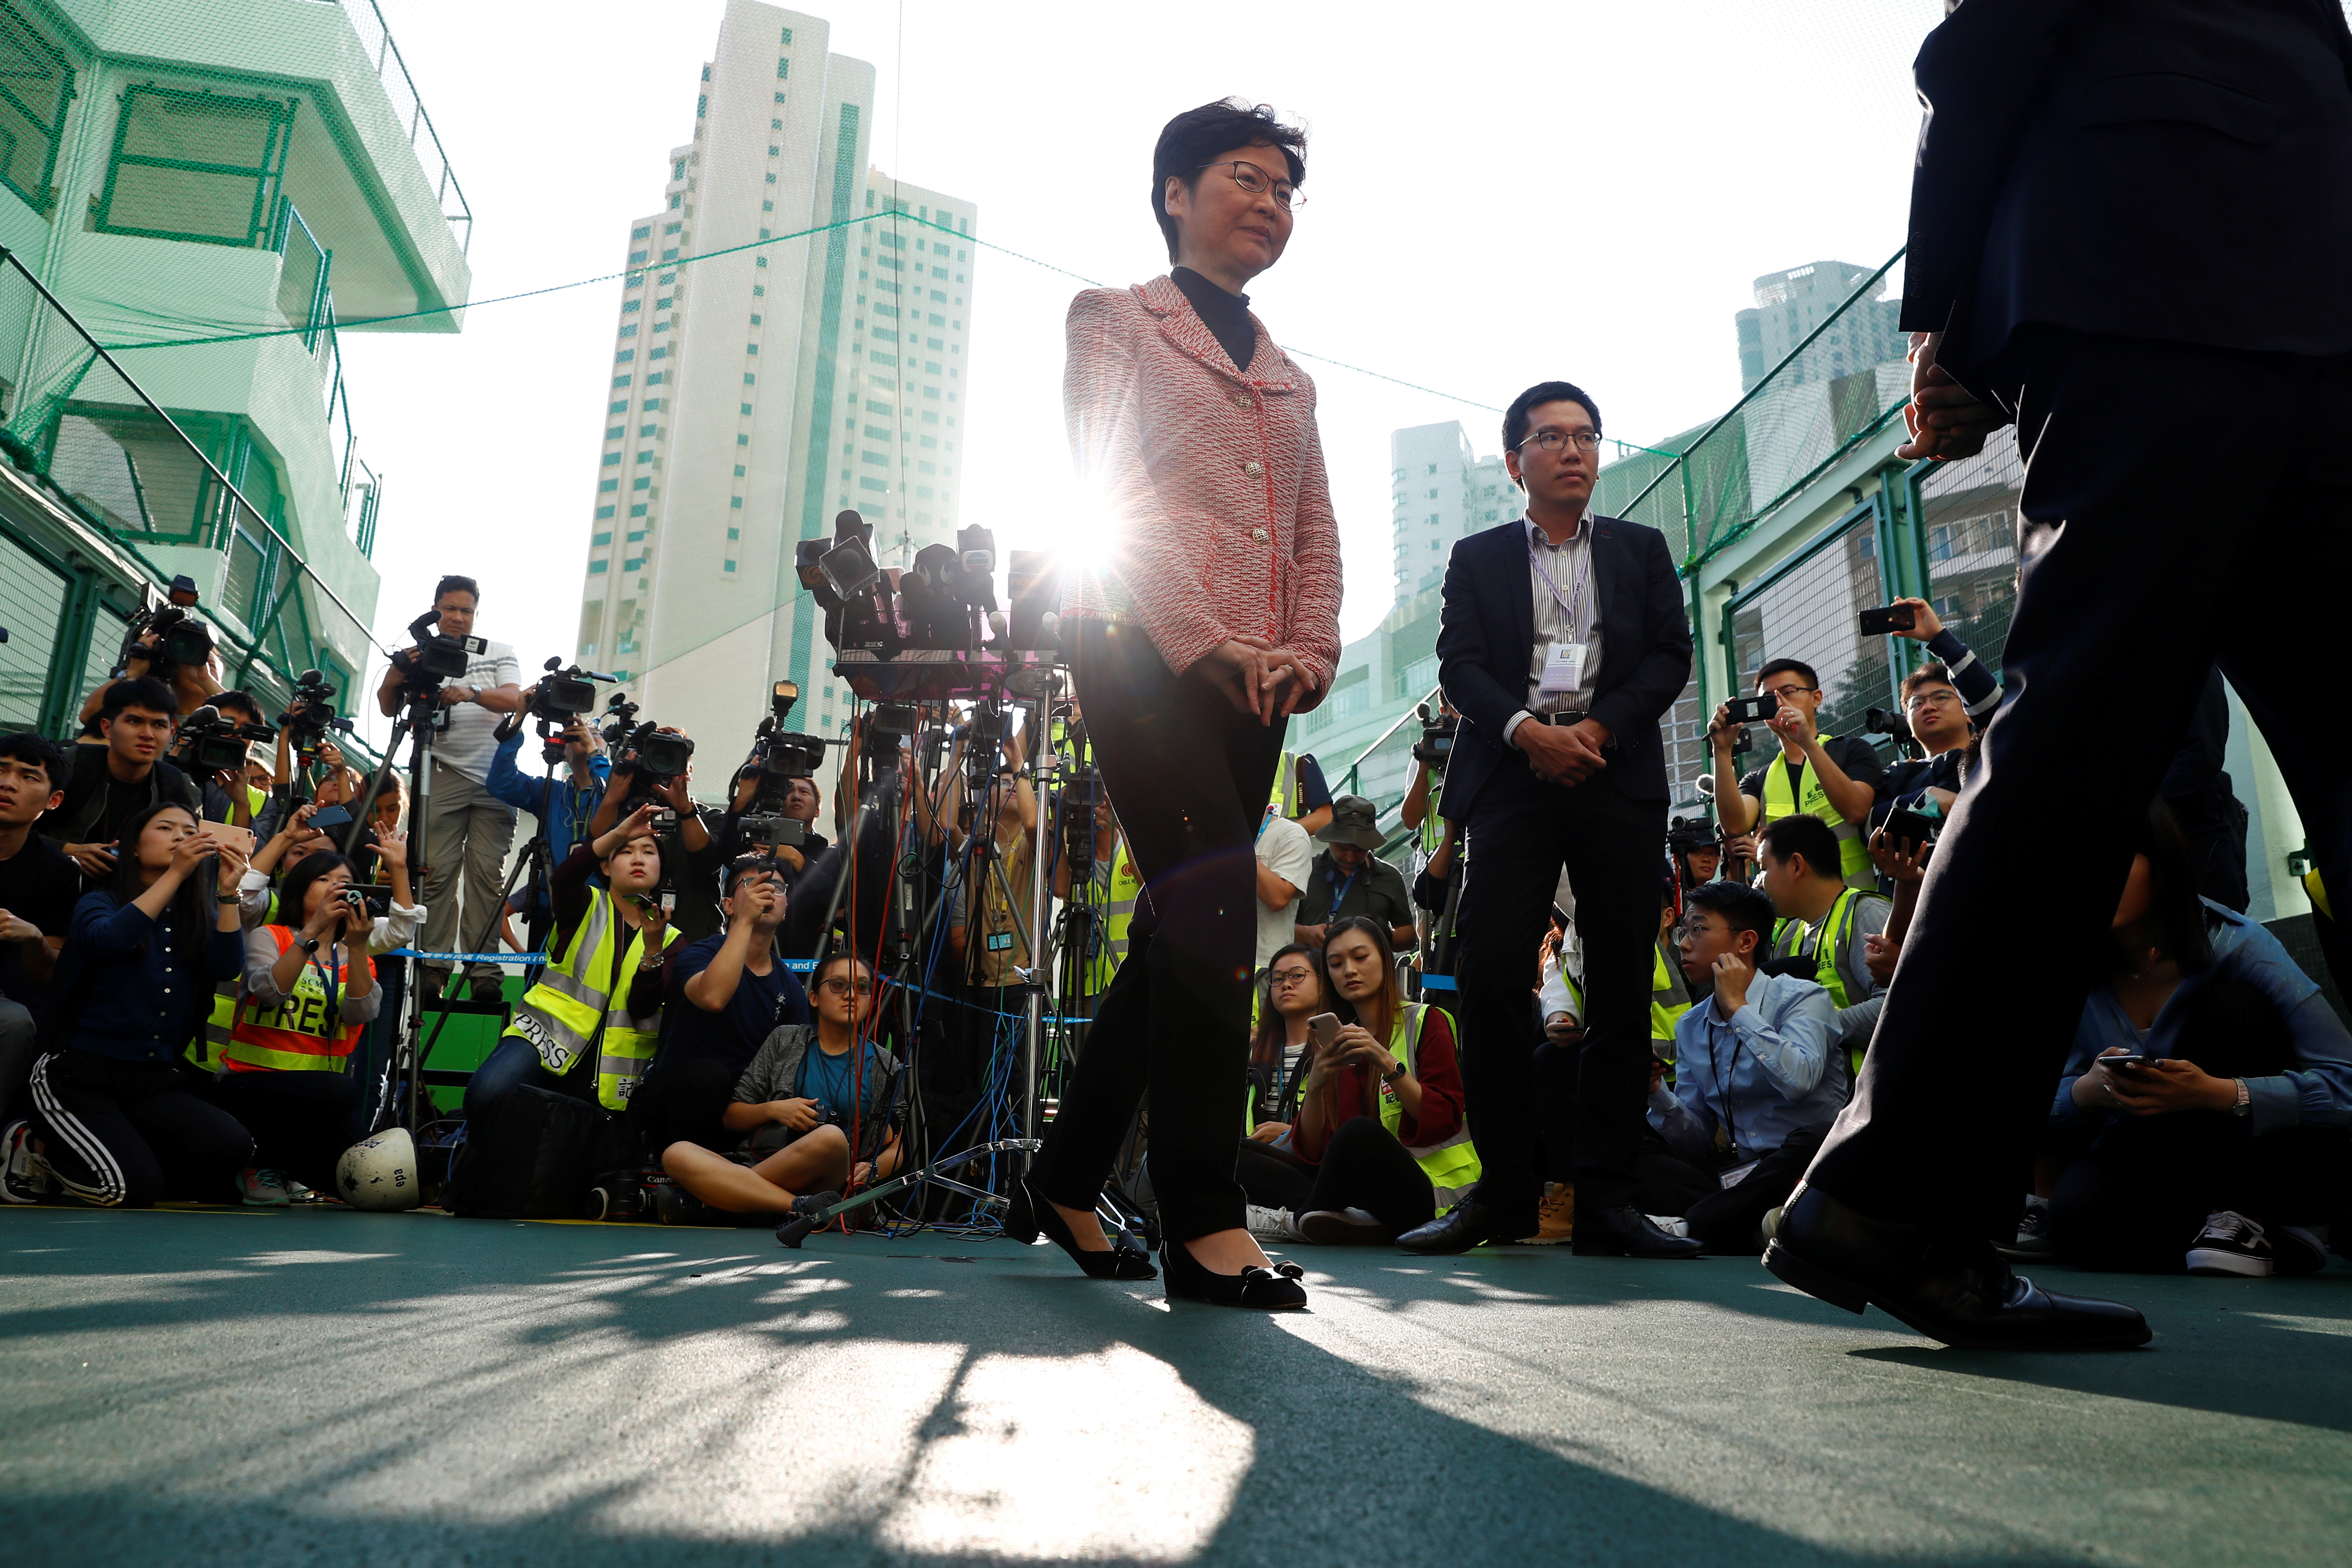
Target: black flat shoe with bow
(1031,1216)
(1274,1289)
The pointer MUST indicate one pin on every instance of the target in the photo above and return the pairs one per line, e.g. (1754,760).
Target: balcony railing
(409,108)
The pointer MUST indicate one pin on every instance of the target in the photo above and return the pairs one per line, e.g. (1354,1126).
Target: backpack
(532,1155)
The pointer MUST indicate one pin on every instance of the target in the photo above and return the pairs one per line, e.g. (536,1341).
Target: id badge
(1563,668)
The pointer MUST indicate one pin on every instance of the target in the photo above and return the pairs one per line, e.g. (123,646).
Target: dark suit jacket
(2173,169)
(1486,631)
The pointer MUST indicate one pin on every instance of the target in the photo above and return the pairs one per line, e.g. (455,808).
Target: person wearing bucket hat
(1345,880)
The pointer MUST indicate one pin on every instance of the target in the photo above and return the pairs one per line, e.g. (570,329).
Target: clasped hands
(1258,678)
(1567,755)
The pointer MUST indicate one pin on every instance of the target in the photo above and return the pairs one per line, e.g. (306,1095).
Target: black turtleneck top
(1227,315)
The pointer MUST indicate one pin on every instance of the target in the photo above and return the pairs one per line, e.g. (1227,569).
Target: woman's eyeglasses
(1284,978)
(837,986)
(1257,182)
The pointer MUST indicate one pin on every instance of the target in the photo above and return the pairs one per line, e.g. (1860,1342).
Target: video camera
(307,728)
(950,594)
(563,693)
(180,638)
(436,656)
(1082,790)
(660,754)
(1685,834)
(1435,746)
(1881,721)
(781,756)
(214,743)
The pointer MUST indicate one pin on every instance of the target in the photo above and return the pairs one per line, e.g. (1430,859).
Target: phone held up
(1885,620)
(1750,710)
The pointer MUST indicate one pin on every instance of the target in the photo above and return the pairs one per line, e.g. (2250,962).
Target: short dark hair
(1516,418)
(839,955)
(741,866)
(244,701)
(313,867)
(145,692)
(1188,141)
(456,584)
(37,750)
(1743,908)
(1773,667)
(1931,673)
(1801,834)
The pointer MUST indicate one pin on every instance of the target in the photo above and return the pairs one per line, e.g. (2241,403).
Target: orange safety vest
(291,1036)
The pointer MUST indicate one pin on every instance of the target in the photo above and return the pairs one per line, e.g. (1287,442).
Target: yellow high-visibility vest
(1853,854)
(587,984)
(1452,1166)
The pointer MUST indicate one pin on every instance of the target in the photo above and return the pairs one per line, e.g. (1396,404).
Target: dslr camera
(436,658)
(1883,721)
(180,637)
(1436,743)
(213,742)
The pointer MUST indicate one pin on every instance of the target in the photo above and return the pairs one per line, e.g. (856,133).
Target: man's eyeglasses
(1287,977)
(1922,699)
(1257,182)
(1788,694)
(1553,440)
(837,986)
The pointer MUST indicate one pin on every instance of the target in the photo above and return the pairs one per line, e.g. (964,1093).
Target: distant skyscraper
(1792,303)
(1440,488)
(759,390)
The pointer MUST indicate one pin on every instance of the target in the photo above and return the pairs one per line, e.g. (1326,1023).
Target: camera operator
(1346,879)
(1754,1090)
(1697,846)
(113,783)
(803,799)
(193,682)
(1833,778)
(37,889)
(465,842)
(566,805)
(1826,924)
(230,795)
(725,995)
(693,879)
(1943,702)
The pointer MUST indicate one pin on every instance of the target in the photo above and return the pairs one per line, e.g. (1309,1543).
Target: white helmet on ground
(380,1173)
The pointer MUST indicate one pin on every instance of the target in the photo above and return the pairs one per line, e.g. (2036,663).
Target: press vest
(1119,914)
(1668,1000)
(1829,939)
(1450,1166)
(1853,854)
(295,1033)
(581,1000)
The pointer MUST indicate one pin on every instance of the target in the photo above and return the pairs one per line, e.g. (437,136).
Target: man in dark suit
(2131,227)
(1562,640)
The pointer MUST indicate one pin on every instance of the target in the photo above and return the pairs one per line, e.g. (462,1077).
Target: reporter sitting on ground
(39,888)
(309,991)
(1826,924)
(1345,880)
(799,1107)
(1831,777)
(121,1121)
(726,994)
(1292,989)
(1380,1136)
(123,778)
(2232,1135)
(603,984)
(1754,1088)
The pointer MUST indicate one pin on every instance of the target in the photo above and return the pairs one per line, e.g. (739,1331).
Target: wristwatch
(308,944)
(1392,1077)
(2245,1106)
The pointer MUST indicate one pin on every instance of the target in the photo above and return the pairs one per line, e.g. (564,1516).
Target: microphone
(998,626)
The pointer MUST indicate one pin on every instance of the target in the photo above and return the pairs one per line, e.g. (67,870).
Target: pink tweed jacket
(1210,479)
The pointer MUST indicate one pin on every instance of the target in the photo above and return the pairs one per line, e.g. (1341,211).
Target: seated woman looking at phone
(310,989)
(1380,1108)
(2212,1083)
(603,986)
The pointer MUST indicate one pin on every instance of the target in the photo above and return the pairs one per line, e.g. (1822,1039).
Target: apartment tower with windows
(792,339)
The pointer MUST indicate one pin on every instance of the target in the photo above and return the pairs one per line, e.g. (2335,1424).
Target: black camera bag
(532,1156)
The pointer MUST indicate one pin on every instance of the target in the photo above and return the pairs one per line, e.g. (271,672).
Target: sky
(1577,188)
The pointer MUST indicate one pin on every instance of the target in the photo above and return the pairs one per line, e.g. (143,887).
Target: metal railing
(406,106)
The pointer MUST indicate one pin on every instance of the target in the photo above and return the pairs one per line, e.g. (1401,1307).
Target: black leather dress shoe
(1957,1290)
(1627,1233)
(1461,1228)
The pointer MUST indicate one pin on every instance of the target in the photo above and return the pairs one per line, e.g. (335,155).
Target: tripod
(416,722)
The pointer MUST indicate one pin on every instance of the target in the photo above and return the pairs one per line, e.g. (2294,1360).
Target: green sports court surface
(264,1388)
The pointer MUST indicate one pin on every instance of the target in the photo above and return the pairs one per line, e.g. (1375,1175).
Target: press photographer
(1943,701)
(563,802)
(653,764)
(214,747)
(773,809)
(1832,777)
(470,829)
(169,643)
(1348,880)
(115,782)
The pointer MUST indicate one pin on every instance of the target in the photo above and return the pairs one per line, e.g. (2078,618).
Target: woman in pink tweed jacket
(1215,618)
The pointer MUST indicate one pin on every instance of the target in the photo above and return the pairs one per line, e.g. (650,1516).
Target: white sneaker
(2233,1244)
(263,1189)
(24,1176)
(1341,1228)
(1270,1224)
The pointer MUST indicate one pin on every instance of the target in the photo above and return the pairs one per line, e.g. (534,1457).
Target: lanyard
(1583,579)
(1340,897)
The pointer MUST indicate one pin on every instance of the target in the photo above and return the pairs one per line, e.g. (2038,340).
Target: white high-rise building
(1439,489)
(766,376)
(1791,304)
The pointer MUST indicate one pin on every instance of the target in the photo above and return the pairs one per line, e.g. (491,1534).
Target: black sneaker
(2233,1244)
(814,1202)
(2032,1243)
(488,989)
(2297,1250)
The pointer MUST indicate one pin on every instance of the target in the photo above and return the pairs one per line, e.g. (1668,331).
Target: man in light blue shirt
(1756,1080)
(566,801)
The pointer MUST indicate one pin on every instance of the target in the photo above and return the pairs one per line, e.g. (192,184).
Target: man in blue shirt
(565,802)
(1755,1084)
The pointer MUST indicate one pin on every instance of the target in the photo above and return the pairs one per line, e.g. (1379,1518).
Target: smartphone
(1323,1028)
(1909,826)
(1887,619)
(229,834)
(329,819)
(1749,710)
(2131,1063)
